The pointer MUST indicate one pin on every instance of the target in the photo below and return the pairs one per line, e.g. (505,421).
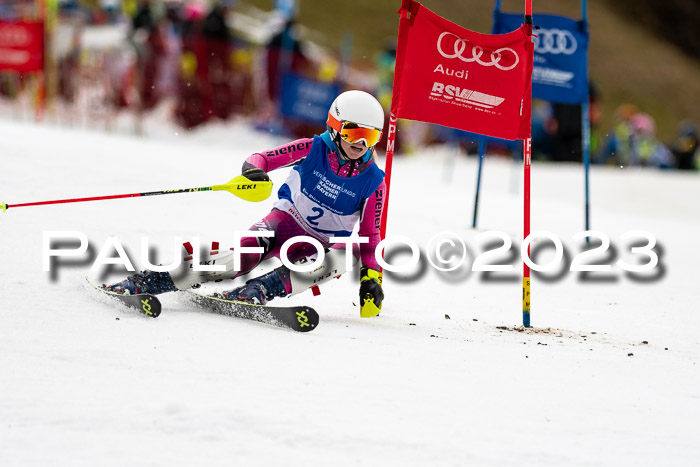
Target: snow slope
(85,382)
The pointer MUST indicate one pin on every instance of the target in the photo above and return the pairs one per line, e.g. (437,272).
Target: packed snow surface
(607,375)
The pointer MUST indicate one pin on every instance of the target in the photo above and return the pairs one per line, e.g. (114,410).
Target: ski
(297,318)
(147,304)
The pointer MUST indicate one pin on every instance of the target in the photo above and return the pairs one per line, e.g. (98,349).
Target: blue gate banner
(560,70)
(307,100)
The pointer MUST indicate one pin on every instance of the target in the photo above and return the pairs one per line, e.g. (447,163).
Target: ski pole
(239,186)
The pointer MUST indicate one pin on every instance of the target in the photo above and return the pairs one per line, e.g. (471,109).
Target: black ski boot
(258,291)
(148,282)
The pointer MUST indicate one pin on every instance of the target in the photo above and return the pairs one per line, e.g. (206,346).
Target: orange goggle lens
(353,133)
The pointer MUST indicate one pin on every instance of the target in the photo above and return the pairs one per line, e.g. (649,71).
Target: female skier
(335,183)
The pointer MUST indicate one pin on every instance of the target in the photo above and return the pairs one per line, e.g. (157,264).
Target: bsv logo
(466,96)
(555,41)
(504,58)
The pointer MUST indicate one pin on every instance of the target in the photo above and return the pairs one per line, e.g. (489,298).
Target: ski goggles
(354,133)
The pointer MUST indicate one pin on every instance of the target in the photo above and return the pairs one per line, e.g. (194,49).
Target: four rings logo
(14,36)
(555,41)
(504,58)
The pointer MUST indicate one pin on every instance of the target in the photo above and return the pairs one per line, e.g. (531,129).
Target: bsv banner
(455,77)
(22,46)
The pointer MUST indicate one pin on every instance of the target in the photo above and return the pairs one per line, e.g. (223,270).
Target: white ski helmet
(356,107)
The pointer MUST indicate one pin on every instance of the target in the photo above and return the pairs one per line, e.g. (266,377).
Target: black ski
(147,304)
(298,318)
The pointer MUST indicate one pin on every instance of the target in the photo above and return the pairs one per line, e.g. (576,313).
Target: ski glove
(371,293)
(256,175)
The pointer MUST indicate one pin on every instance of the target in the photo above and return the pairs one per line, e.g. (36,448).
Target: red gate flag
(22,46)
(455,77)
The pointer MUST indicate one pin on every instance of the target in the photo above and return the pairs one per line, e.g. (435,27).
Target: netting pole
(482,151)
(586,139)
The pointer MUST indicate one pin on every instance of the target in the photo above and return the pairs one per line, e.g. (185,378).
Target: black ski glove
(371,287)
(256,175)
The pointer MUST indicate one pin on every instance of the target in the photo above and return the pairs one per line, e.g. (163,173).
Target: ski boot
(148,282)
(258,291)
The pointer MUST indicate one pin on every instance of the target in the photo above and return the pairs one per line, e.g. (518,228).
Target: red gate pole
(393,114)
(527,156)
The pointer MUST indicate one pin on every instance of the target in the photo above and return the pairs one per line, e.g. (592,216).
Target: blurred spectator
(542,122)
(69,68)
(168,66)
(284,55)
(414,134)
(616,147)
(143,19)
(149,46)
(566,138)
(286,8)
(218,44)
(685,147)
(645,149)
(195,103)
(242,78)
(595,114)
(111,10)
(385,63)
(215,22)
(566,123)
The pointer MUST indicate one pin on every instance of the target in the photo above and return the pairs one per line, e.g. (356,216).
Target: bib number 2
(312,219)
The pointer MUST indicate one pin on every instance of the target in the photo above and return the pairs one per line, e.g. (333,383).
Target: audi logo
(555,41)
(14,36)
(504,54)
